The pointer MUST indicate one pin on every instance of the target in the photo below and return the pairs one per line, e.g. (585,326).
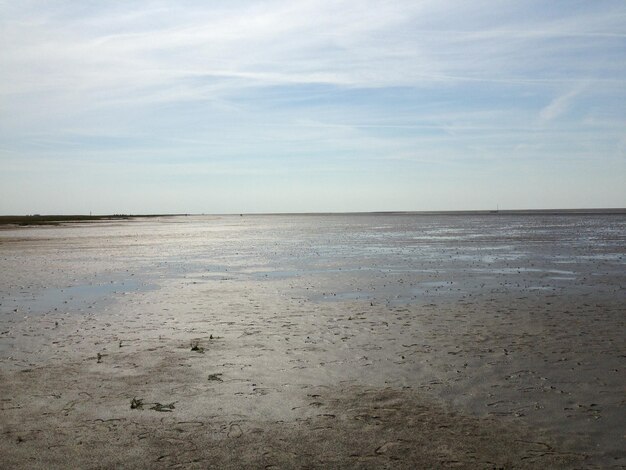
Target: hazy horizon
(8,218)
(311,106)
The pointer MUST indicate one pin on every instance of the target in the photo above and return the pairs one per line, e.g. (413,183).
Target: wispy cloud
(337,43)
(560,104)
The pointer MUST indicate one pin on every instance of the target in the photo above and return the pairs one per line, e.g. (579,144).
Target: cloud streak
(560,104)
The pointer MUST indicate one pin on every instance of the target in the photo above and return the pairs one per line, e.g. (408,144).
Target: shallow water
(74,298)
(388,258)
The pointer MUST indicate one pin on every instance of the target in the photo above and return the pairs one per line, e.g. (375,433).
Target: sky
(231,106)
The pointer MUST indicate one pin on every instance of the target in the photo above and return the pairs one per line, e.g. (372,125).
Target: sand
(301,342)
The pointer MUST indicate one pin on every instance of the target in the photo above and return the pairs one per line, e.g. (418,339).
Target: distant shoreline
(34,220)
(26,220)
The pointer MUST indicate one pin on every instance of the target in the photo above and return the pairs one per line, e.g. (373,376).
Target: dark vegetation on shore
(24,220)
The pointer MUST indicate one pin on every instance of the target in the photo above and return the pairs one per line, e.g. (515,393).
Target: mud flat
(387,341)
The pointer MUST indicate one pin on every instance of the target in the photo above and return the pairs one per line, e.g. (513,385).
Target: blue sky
(283,106)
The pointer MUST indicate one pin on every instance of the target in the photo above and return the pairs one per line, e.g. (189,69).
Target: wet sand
(328,341)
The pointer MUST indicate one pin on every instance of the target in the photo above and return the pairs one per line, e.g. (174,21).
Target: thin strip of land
(25,220)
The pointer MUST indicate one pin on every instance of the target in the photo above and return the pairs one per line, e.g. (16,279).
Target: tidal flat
(315,341)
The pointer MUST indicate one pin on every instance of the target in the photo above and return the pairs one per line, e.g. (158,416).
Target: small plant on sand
(163,408)
(215,377)
(196,348)
(136,404)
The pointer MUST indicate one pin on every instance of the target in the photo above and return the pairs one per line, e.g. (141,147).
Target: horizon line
(588,210)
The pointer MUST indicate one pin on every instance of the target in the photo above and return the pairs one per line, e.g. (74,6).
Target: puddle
(277,274)
(73,298)
(342,296)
